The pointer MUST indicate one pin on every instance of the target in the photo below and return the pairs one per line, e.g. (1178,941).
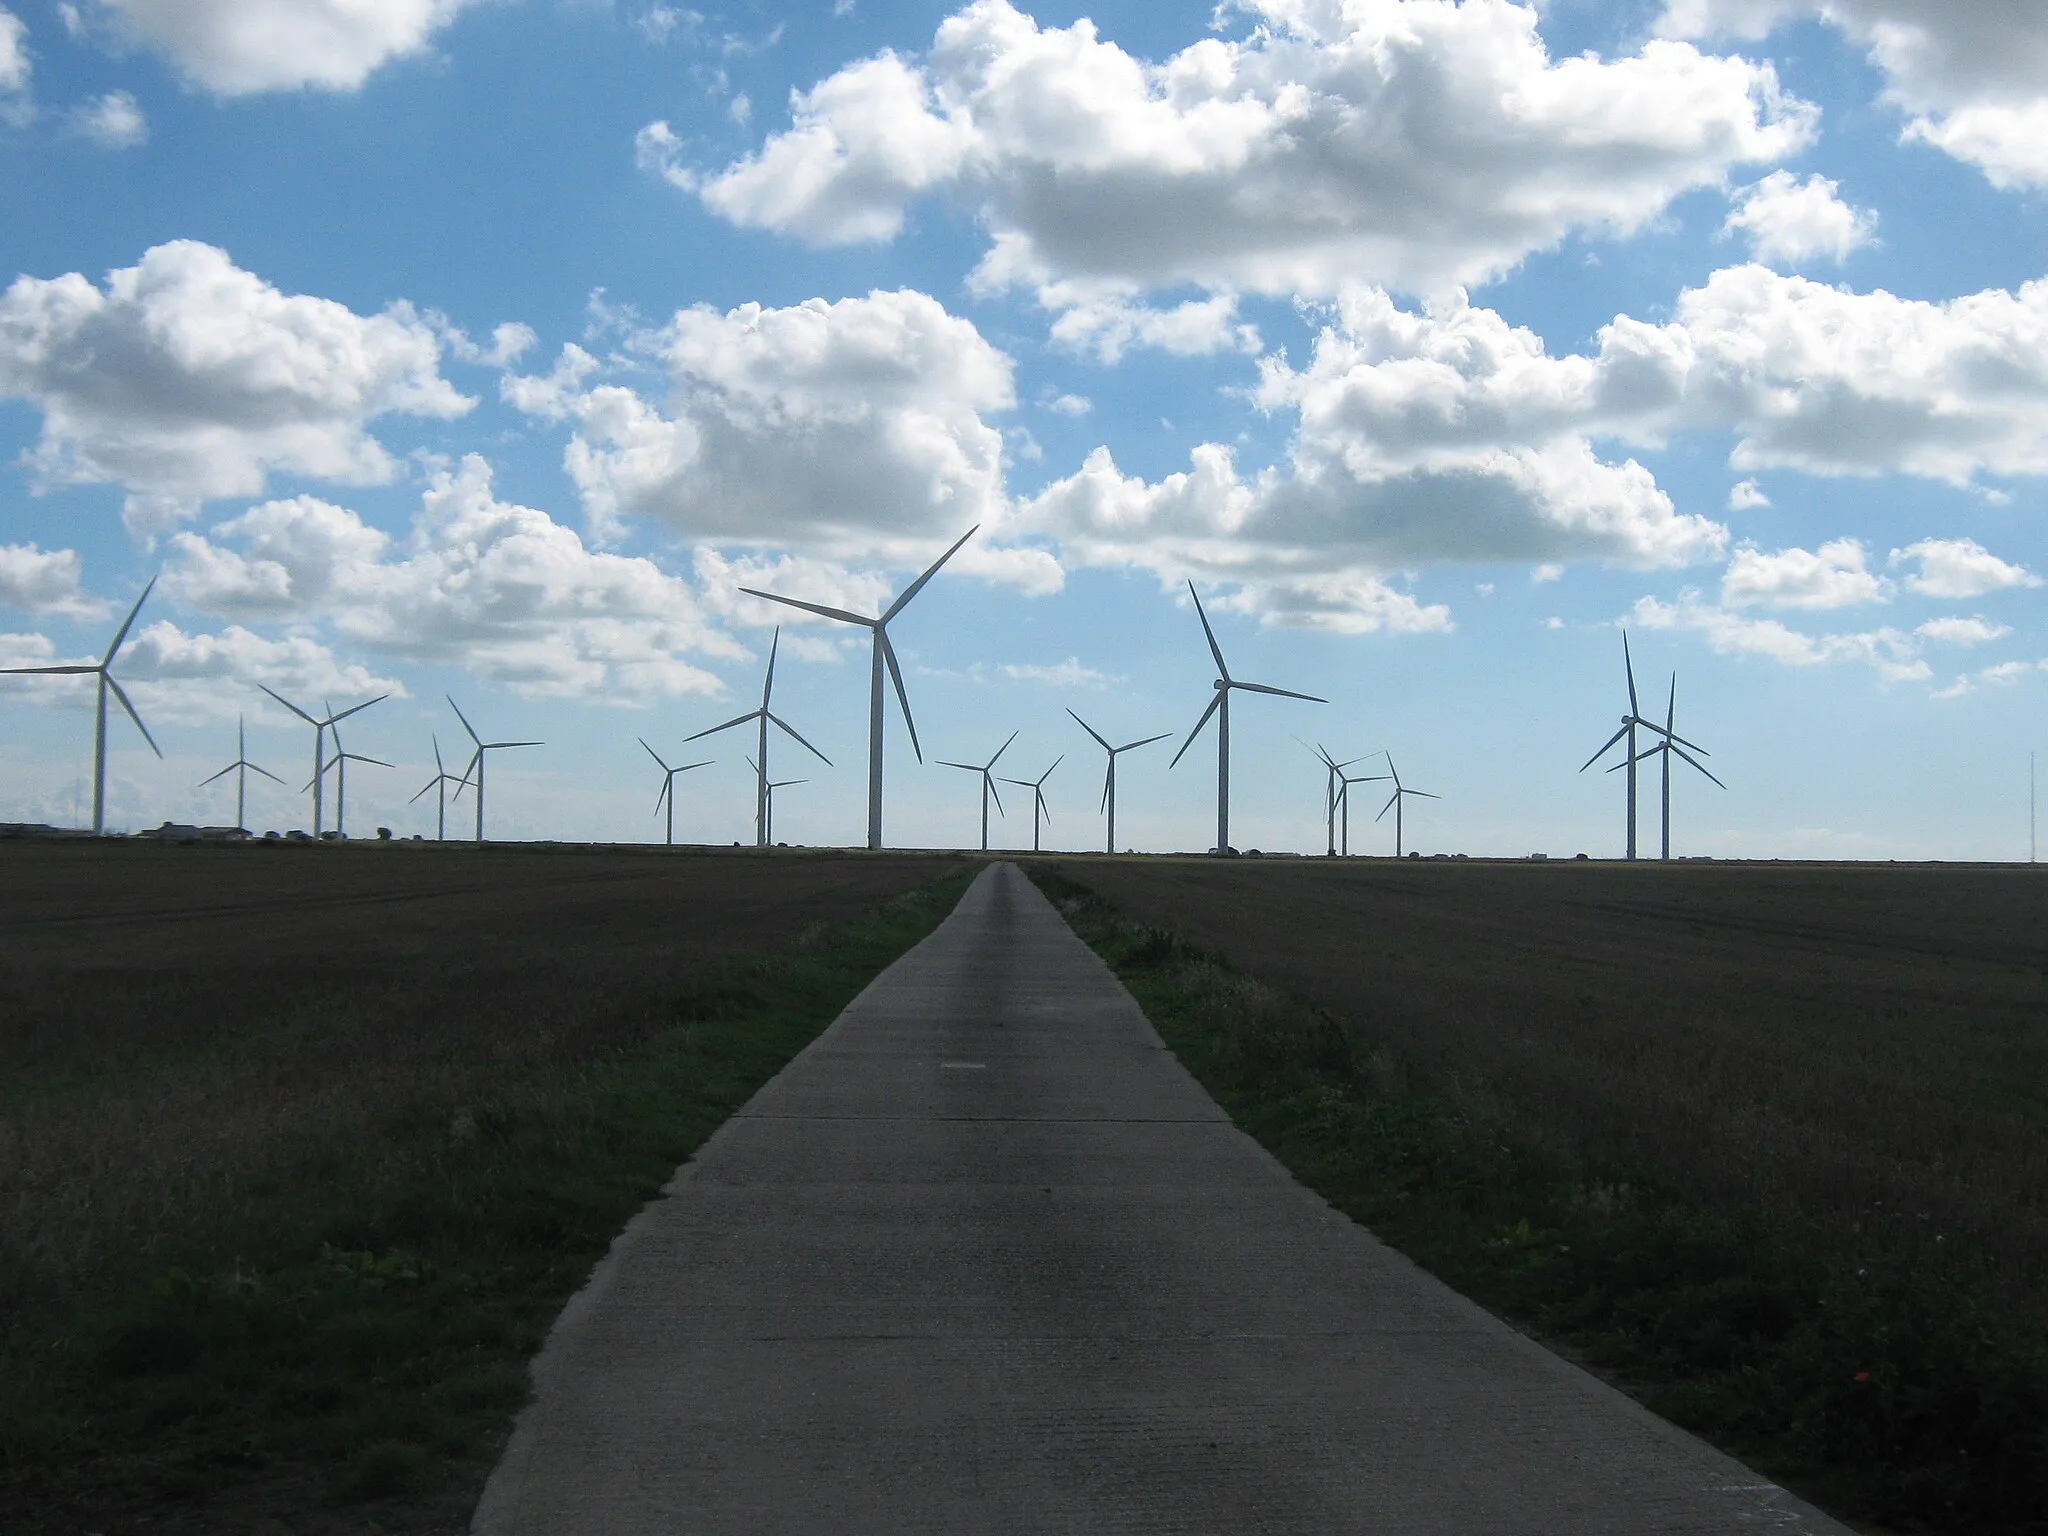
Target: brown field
(1862,1050)
(173,1019)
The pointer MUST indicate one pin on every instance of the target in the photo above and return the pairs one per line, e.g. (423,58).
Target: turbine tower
(1395,801)
(988,785)
(1630,722)
(1109,779)
(1037,788)
(668,780)
(884,654)
(240,769)
(1665,747)
(320,729)
(339,763)
(440,781)
(1333,788)
(774,785)
(1344,800)
(102,670)
(1219,706)
(759,761)
(476,761)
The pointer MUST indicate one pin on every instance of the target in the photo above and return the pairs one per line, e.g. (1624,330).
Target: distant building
(184,832)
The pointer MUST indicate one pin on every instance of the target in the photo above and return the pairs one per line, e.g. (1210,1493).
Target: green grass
(363,1333)
(1883,1383)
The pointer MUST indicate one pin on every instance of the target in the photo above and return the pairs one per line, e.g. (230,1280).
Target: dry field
(1862,1048)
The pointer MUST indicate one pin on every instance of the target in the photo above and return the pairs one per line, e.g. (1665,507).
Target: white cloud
(1957,630)
(1107,327)
(851,430)
(240,47)
(1894,654)
(1956,568)
(740,109)
(1833,576)
(15,69)
(1070,673)
(112,121)
(43,581)
(501,589)
(1789,221)
(189,378)
(179,676)
(1410,142)
(1744,495)
(1971,75)
(2000,675)
(1068,405)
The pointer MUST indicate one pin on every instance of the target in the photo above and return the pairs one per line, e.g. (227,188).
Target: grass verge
(352,1329)
(1885,1386)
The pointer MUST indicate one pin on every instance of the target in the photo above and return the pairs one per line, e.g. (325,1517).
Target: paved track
(984,1258)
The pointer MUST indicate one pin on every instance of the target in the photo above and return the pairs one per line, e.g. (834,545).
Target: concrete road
(984,1258)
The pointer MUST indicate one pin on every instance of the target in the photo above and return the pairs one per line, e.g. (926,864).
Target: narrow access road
(984,1258)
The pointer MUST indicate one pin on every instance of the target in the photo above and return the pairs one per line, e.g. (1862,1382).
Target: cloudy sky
(488,347)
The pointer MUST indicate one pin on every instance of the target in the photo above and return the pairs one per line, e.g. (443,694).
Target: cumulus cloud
(1958,630)
(43,581)
(112,121)
(15,69)
(1744,495)
(850,429)
(241,47)
(501,589)
(1789,221)
(1834,576)
(1409,142)
(1957,568)
(1107,327)
(1970,75)
(1893,653)
(187,378)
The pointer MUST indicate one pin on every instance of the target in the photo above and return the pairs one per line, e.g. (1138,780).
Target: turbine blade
(465,722)
(1222,670)
(1020,783)
(120,694)
(705,764)
(1215,703)
(266,773)
(997,796)
(1091,731)
(51,671)
(1589,762)
(1421,794)
(1055,763)
(1389,805)
(288,704)
(430,784)
(768,683)
(1145,743)
(932,570)
(819,608)
(495,745)
(1002,749)
(1688,757)
(896,677)
(790,730)
(1628,661)
(231,767)
(439,766)
(1671,705)
(1285,693)
(1103,804)
(667,783)
(122,633)
(752,714)
(364,705)
(652,753)
(374,762)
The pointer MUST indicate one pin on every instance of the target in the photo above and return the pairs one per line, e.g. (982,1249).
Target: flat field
(301,1146)
(1860,1047)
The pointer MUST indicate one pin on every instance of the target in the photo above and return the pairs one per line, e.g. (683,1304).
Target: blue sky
(487,348)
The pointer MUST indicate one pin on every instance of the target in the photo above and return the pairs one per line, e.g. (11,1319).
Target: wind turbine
(1344,799)
(1664,748)
(320,729)
(774,785)
(668,782)
(884,654)
(339,763)
(988,785)
(760,760)
(476,761)
(1109,779)
(441,780)
(101,670)
(1333,787)
(1219,706)
(240,769)
(1394,802)
(1037,788)
(1629,724)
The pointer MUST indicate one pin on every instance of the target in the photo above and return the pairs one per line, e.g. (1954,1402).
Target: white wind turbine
(774,785)
(1629,724)
(320,729)
(1344,800)
(765,717)
(1219,706)
(1666,746)
(988,785)
(884,654)
(240,769)
(476,761)
(1333,788)
(339,763)
(1038,805)
(1109,779)
(1396,800)
(102,670)
(440,781)
(668,786)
